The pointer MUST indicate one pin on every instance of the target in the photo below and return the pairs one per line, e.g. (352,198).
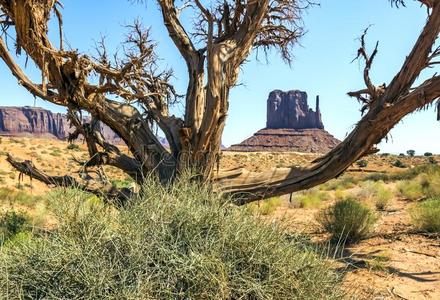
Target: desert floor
(396,262)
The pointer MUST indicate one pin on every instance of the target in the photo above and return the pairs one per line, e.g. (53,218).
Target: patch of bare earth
(396,262)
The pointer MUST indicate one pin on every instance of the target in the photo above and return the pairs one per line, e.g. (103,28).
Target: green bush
(410,189)
(432,160)
(265,207)
(344,182)
(377,177)
(426,215)
(424,185)
(399,164)
(427,154)
(73,147)
(310,198)
(376,192)
(347,221)
(11,224)
(362,163)
(180,242)
(18,197)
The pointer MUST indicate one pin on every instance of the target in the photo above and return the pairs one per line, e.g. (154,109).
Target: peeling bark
(229,31)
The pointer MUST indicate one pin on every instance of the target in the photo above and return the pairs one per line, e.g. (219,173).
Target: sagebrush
(180,242)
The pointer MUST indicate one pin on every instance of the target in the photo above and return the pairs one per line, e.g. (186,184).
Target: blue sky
(321,66)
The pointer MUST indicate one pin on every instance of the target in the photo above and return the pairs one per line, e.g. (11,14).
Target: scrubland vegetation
(186,242)
(181,243)
(347,221)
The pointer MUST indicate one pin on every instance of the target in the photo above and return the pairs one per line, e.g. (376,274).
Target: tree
(411,153)
(225,34)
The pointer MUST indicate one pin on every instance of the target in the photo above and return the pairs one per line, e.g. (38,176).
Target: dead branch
(119,196)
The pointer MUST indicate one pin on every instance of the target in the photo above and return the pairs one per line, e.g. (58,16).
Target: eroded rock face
(290,126)
(291,110)
(287,139)
(35,121)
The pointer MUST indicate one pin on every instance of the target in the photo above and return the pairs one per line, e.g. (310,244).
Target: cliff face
(291,110)
(35,121)
(290,126)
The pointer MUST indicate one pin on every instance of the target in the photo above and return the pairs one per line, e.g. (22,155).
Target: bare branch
(23,79)
(117,196)
(417,60)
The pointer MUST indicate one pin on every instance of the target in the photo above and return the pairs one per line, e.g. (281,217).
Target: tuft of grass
(343,183)
(73,147)
(265,207)
(378,177)
(11,224)
(426,215)
(423,185)
(376,192)
(362,163)
(379,262)
(399,164)
(178,242)
(410,189)
(18,197)
(310,198)
(347,221)
(122,183)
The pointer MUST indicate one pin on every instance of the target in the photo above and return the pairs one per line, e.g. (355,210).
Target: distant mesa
(40,122)
(290,126)
(290,110)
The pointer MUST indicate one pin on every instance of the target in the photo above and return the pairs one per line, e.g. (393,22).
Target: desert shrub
(344,182)
(426,215)
(362,163)
(122,183)
(382,198)
(425,184)
(11,224)
(73,147)
(180,242)
(376,192)
(377,177)
(347,221)
(410,189)
(55,153)
(310,198)
(432,160)
(398,164)
(378,262)
(265,207)
(18,197)
(416,171)
(384,154)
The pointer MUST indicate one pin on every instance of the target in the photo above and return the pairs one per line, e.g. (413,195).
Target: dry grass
(179,243)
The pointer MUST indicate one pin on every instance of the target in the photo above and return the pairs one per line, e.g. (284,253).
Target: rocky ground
(397,262)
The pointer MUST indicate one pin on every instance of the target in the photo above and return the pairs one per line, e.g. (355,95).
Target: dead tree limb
(224,35)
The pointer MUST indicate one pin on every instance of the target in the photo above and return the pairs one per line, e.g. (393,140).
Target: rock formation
(39,122)
(291,126)
(290,110)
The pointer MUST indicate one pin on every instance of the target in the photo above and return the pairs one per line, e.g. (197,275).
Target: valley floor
(396,262)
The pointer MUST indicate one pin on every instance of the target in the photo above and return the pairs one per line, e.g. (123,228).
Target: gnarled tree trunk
(229,32)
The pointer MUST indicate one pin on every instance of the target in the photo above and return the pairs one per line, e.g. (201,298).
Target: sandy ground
(395,263)
(50,156)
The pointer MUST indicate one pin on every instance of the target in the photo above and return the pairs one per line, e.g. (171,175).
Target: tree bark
(213,70)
